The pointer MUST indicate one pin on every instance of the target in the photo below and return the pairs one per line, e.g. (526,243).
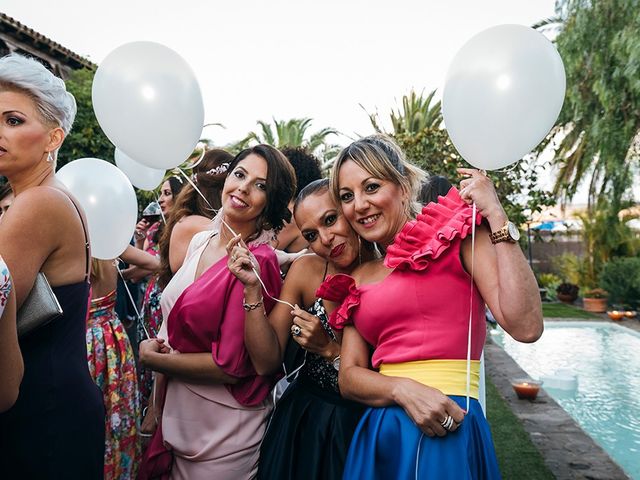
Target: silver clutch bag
(40,308)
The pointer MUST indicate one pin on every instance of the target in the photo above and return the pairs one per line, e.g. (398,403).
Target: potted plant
(595,300)
(567,292)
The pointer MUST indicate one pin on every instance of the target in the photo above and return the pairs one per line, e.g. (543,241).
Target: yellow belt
(448,376)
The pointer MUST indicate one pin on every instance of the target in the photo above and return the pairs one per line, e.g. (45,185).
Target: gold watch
(508,233)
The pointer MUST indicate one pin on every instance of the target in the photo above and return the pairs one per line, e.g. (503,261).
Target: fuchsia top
(421,310)
(208,317)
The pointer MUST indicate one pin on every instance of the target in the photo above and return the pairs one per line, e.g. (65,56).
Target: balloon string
(256,273)
(195,187)
(473,246)
(235,235)
(197,162)
(126,287)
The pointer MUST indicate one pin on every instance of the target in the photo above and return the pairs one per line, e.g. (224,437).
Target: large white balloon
(108,200)
(148,102)
(503,92)
(141,176)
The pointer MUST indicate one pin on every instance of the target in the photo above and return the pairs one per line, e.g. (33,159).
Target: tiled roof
(27,35)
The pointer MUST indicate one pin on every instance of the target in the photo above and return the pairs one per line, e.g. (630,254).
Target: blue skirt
(387,444)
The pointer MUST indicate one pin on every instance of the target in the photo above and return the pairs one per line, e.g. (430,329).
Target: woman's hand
(140,232)
(427,407)
(149,424)
(242,263)
(312,336)
(478,188)
(151,347)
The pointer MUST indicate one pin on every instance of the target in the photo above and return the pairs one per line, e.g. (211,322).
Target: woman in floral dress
(112,366)
(151,313)
(11,365)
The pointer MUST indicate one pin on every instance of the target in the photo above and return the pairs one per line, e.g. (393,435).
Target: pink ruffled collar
(428,236)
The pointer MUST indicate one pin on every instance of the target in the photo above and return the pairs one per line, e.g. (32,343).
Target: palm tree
(595,140)
(416,116)
(295,133)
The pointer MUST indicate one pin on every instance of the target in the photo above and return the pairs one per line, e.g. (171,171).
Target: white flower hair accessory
(222,168)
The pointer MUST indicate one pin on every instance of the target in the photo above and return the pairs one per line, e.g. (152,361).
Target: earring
(359,250)
(49,157)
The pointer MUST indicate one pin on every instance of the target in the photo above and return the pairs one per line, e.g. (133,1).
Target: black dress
(310,431)
(56,428)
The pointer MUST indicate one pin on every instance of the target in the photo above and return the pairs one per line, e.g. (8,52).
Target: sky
(330,60)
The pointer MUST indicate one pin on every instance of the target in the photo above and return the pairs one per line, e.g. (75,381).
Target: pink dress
(214,431)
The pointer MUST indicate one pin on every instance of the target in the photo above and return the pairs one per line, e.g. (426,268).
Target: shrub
(568,267)
(550,282)
(621,278)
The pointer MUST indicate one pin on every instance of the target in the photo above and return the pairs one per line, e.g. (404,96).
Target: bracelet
(251,306)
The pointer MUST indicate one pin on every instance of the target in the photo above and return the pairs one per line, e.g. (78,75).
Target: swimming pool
(606,359)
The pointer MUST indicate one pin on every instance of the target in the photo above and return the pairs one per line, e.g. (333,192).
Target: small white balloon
(148,102)
(141,176)
(108,200)
(503,93)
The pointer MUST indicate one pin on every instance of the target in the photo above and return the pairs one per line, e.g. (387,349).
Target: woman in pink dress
(416,307)
(216,405)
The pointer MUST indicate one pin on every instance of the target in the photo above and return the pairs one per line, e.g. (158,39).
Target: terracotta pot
(595,305)
(567,298)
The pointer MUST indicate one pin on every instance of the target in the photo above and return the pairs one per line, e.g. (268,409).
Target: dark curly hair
(281,185)
(435,186)
(209,176)
(305,164)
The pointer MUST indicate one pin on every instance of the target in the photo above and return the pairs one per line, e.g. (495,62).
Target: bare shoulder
(188,226)
(193,221)
(306,265)
(305,275)
(37,207)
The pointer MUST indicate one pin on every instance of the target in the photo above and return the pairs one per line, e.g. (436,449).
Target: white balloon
(141,176)
(108,201)
(503,92)
(148,102)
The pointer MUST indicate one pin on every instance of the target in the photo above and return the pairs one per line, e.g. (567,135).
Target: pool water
(606,359)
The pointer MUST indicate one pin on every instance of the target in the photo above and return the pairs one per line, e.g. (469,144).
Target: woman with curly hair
(216,404)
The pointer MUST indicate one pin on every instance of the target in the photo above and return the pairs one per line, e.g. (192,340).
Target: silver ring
(233,258)
(295,330)
(447,423)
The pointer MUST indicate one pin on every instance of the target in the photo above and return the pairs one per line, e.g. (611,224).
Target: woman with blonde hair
(56,427)
(417,307)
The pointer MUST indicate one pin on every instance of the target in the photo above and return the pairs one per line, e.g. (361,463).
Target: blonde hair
(54,103)
(382,158)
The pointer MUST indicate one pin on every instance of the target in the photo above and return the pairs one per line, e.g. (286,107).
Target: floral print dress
(151,317)
(5,285)
(112,366)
